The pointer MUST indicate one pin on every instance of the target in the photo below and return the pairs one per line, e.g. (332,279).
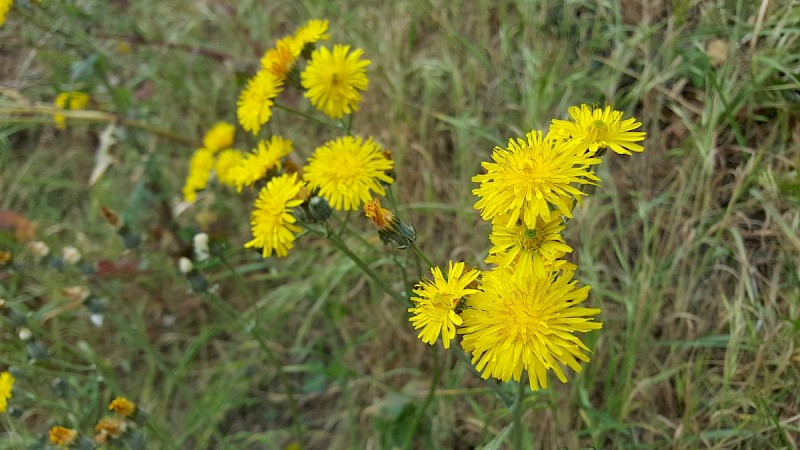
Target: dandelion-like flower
(519,322)
(255,165)
(314,30)
(528,249)
(334,79)
(272,221)
(593,128)
(436,302)
(5,6)
(6,386)
(227,160)
(62,436)
(199,171)
(254,107)
(219,137)
(529,176)
(347,171)
(281,59)
(68,100)
(123,406)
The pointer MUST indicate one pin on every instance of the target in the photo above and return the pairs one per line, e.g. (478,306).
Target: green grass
(691,248)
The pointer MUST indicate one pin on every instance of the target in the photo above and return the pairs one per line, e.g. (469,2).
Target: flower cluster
(332,79)
(523,314)
(107,428)
(343,173)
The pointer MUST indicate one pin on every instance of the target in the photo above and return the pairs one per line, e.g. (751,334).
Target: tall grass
(691,248)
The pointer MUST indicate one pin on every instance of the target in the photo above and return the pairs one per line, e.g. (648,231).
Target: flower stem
(306,116)
(516,413)
(342,247)
(422,255)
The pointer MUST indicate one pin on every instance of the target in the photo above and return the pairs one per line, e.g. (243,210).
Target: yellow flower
(519,322)
(333,80)
(529,176)
(6,385)
(314,30)
(199,171)
(528,249)
(227,160)
(69,100)
(254,107)
(437,301)
(281,59)
(346,172)
(272,221)
(122,405)
(594,128)
(5,6)
(255,165)
(62,436)
(219,137)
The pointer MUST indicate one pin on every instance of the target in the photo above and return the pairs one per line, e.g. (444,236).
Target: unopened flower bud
(319,208)
(390,228)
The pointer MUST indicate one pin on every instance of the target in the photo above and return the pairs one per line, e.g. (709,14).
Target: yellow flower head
(333,80)
(122,405)
(528,249)
(520,322)
(62,436)
(199,171)
(5,6)
(314,30)
(272,221)
(69,100)
(254,107)
(346,172)
(227,160)
(6,385)
(529,176)
(281,59)
(594,128)
(219,137)
(436,303)
(255,165)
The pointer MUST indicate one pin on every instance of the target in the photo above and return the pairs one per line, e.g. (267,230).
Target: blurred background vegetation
(691,248)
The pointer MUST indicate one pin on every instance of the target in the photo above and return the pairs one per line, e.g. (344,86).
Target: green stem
(339,244)
(273,360)
(422,255)
(428,399)
(516,413)
(306,116)
(344,224)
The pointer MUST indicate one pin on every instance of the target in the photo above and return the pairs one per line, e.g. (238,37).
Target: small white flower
(185,265)
(201,247)
(24,333)
(39,249)
(71,255)
(97,320)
